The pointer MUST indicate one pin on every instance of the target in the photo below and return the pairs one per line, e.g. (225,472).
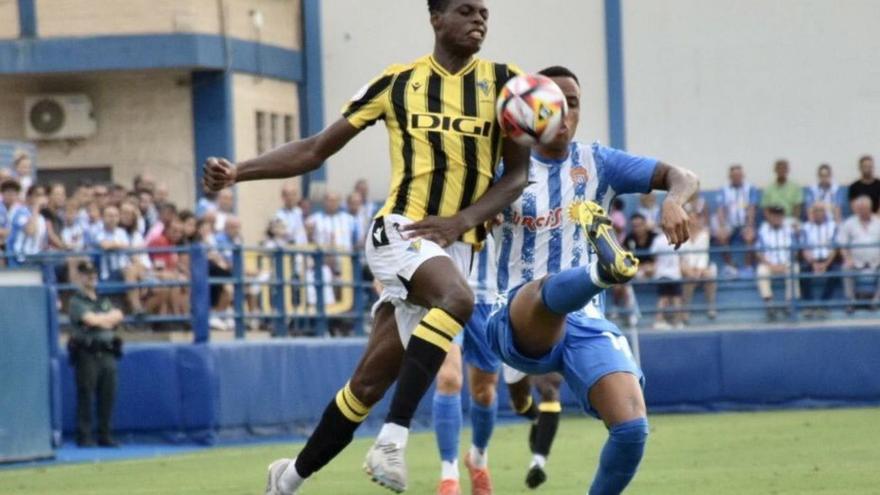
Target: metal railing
(287,287)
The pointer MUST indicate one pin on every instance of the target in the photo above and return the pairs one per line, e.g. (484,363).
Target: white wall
(360,40)
(713,82)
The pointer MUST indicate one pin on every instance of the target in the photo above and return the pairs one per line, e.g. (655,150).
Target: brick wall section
(8,19)
(55,18)
(144,123)
(257,201)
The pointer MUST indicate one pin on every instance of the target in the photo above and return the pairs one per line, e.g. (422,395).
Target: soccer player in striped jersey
(445,143)
(557,254)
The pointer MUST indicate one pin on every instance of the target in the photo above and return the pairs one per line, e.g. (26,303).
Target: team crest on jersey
(415,246)
(483,84)
(579,175)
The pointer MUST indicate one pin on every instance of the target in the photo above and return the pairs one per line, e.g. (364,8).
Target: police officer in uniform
(94,348)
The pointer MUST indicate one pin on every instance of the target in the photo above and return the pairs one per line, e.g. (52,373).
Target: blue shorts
(590,349)
(474,345)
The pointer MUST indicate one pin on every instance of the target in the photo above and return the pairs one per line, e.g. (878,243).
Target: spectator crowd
(137,239)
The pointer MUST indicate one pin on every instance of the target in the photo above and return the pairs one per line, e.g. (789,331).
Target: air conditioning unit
(58,116)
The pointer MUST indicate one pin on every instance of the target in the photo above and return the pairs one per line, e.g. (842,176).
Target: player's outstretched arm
(682,186)
(288,160)
(445,230)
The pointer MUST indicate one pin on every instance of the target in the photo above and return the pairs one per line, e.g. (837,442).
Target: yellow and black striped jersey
(445,140)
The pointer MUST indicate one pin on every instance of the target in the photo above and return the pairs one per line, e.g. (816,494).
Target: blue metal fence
(288,290)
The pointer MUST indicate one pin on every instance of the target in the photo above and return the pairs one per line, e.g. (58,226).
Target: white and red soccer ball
(530,109)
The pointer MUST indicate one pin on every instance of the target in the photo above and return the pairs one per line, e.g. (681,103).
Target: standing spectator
(190,226)
(734,222)
(667,274)
(23,170)
(54,213)
(116,264)
(94,348)
(225,208)
(859,241)
(27,232)
(143,182)
(370,206)
(649,209)
(333,228)
(775,239)
(355,206)
(101,195)
(148,209)
(819,257)
(696,268)
(10,190)
(160,194)
(867,184)
(117,194)
(291,215)
(783,192)
(827,192)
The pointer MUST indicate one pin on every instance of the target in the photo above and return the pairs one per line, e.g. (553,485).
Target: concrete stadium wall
(257,201)
(281,18)
(360,40)
(710,83)
(9,19)
(199,391)
(144,123)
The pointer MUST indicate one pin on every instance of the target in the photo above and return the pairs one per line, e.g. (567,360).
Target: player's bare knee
(449,381)
(458,303)
(484,395)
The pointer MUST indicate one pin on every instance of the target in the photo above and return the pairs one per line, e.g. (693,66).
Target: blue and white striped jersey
(483,274)
(537,236)
(819,238)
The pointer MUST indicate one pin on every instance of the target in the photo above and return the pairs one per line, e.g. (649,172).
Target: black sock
(424,355)
(338,423)
(545,431)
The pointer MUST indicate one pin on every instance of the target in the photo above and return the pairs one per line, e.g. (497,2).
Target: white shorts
(511,375)
(393,261)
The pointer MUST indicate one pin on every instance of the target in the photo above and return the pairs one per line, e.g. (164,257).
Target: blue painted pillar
(311,87)
(213,125)
(27,19)
(614,63)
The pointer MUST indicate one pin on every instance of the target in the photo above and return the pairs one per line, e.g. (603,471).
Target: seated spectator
(355,206)
(27,231)
(190,226)
(148,209)
(734,221)
(53,212)
(333,228)
(859,242)
(167,214)
(867,184)
(667,274)
(639,241)
(827,192)
(117,194)
(773,249)
(783,192)
(218,267)
(93,222)
(696,269)
(618,218)
(208,202)
(10,190)
(818,257)
(366,213)
(226,242)
(649,209)
(116,263)
(225,208)
(73,235)
(160,194)
(23,171)
(291,215)
(167,267)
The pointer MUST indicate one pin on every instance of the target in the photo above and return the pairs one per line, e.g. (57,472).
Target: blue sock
(447,424)
(569,290)
(620,457)
(483,422)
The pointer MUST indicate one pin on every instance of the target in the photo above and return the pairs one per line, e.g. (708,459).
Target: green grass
(800,452)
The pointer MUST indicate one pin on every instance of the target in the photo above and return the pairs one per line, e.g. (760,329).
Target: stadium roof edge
(149,51)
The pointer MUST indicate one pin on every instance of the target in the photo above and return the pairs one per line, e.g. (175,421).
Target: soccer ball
(530,109)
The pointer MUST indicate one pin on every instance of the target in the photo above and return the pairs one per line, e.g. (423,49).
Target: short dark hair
(437,6)
(865,158)
(184,215)
(559,71)
(33,190)
(10,185)
(824,166)
(636,216)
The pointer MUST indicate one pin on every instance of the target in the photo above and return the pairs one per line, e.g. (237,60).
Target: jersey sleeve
(371,101)
(625,173)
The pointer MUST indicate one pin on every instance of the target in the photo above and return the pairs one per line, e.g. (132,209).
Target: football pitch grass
(792,452)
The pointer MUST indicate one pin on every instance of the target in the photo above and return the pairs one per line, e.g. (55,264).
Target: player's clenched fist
(674,222)
(218,173)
